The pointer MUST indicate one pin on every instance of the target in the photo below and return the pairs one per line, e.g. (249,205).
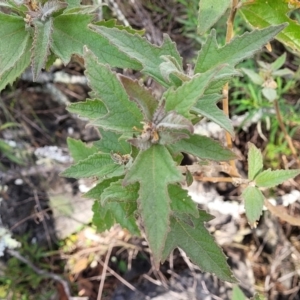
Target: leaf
(271,178)
(112,23)
(237,294)
(263,13)
(237,50)
(141,96)
(41,46)
(207,107)
(116,192)
(202,147)
(254,202)
(111,142)
(71,33)
(14,42)
(181,202)
(91,109)
(210,12)
(199,245)
(254,77)
(122,212)
(119,208)
(255,161)
(171,71)
(9,76)
(140,49)
(184,97)
(97,191)
(174,121)
(154,169)
(102,218)
(122,114)
(98,164)
(79,150)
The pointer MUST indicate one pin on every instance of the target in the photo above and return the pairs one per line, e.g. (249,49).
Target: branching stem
(229,36)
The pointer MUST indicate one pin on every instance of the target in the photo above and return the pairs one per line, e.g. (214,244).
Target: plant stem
(286,135)
(229,36)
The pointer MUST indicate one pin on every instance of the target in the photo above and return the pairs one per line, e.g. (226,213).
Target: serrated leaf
(271,178)
(171,71)
(102,217)
(41,46)
(154,169)
(122,114)
(238,49)
(254,202)
(210,12)
(71,33)
(112,142)
(112,23)
(174,121)
(98,164)
(141,96)
(202,147)
(255,161)
(199,245)
(79,150)
(140,49)
(14,41)
(207,107)
(181,202)
(96,191)
(262,13)
(117,192)
(184,97)
(9,76)
(91,109)
(122,212)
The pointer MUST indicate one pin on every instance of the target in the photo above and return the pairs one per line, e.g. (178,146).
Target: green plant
(137,160)
(6,149)
(264,98)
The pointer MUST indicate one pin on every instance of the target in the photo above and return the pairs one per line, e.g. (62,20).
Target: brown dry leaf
(279,212)
(80,265)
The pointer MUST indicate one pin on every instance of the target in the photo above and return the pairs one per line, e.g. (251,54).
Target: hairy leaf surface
(154,169)
(271,178)
(9,76)
(111,142)
(98,164)
(41,46)
(91,109)
(123,114)
(80,150)
(202,147)
(116,192)
(255,161)
(207,107)
(237,50)
(140,49)
(141,96)
(199,245)
(14,41)
(210,12)
(181,202)
(254,202)
(184,97)
(71,33)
